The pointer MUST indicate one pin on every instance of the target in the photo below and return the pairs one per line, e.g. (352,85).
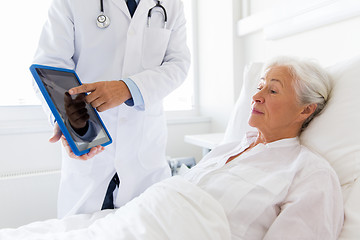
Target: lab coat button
(131,32)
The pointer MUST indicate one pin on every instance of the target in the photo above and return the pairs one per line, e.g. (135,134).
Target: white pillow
(238,122)
(335,134)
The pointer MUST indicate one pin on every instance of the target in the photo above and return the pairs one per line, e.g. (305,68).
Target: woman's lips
(255,111)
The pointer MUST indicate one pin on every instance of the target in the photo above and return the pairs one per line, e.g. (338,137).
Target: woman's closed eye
(272,91)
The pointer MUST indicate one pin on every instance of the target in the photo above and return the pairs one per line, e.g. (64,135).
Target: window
(182,99)
(17,48)
(20,43)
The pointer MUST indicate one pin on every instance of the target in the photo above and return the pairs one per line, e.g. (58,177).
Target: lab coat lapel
(143,7)
(123,7)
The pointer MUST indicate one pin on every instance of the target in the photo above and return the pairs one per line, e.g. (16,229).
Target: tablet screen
(57,84)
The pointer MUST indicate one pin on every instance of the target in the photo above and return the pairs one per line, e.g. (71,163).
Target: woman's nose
(258,98)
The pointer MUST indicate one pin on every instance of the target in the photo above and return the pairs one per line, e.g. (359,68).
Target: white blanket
(172,209)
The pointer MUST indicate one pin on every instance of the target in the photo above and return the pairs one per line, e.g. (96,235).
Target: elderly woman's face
(275,110)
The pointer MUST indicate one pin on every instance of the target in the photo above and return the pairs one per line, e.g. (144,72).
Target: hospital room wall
(328,44)
(218,65)
(29,173)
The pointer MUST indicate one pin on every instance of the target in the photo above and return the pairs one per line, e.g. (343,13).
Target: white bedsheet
(172,209)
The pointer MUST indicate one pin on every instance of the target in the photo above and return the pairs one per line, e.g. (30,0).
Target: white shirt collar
(286,142)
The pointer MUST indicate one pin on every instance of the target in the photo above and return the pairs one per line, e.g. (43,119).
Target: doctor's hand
(104,95)
(58,135)
(93,151)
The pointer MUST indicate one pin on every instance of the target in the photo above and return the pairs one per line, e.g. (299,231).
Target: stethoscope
(103,21)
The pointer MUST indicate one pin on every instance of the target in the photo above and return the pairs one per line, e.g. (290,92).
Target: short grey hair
(312,83)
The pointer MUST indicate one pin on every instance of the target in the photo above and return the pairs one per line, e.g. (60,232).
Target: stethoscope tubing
(102,6)
(158,4)
(103,24)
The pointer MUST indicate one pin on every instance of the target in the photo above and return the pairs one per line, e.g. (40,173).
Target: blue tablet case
(74,145)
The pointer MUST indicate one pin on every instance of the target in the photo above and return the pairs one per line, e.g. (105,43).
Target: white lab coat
(156,59)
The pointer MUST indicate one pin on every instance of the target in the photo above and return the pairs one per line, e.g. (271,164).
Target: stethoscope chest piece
(103,21)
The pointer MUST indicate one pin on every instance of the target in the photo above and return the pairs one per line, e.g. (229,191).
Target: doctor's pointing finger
(104,95)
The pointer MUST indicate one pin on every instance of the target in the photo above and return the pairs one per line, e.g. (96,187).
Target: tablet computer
(54,84)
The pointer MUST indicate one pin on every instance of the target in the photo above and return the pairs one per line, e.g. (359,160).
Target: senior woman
(268,186)
(271,186)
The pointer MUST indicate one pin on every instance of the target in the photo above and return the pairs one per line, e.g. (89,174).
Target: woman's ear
(308,110)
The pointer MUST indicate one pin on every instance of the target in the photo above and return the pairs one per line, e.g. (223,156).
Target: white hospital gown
(280,190)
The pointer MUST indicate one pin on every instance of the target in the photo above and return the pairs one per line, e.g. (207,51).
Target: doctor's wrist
(129,100)
(125,91)
(136,99)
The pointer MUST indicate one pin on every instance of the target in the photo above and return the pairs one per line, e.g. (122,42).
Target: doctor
(128,64)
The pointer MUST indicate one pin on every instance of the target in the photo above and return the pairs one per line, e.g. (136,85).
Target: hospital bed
(334,134)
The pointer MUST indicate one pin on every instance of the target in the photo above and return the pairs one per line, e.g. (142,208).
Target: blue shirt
(136,99)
